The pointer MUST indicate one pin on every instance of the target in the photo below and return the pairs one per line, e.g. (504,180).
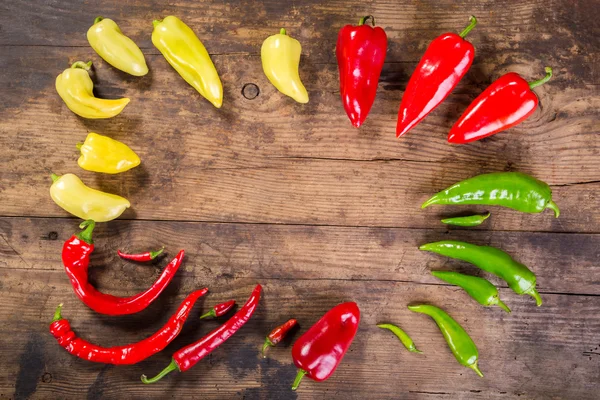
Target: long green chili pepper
(514,190)
(404,338)
(458,339)
(482,290)
(490,259)
(471,220)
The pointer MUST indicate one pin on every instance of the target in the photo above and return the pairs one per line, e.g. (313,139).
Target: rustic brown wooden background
(291,196)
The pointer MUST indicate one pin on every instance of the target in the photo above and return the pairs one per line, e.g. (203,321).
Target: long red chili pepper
(445,62)
(129,354)
(320,350)
(185,358)
(219,309)
(507,102)
(278,334)
(146,256)
(76,258)
(360,52)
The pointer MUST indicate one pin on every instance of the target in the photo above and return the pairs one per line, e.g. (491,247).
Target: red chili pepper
(277,334)
(185,358)
(147,256)
(505,103)
(219,309)
(76,258)
(319,351)
(128,354)
(445,62)
(360,52)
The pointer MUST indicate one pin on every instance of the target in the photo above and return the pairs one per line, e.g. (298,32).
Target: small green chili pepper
(478,288)
(490,259)
(458,339)
(404,338)
(471,220)
(514,190)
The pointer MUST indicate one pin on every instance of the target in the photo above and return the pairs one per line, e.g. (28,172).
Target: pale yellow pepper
(118,50)
(75,197)
(103,154)
(280,55)
(186,53)
(76,89)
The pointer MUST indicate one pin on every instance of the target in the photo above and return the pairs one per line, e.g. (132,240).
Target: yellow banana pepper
(280,55)
(75,197)
(186,53)
(75,87)
(103,154)
(118,50)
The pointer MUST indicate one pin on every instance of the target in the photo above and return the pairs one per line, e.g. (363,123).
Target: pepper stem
(365,18)
(543,80)
(282,31)
(156,253)
(171,367)
(475,368)
(266,346)
(212,313)
(534,293)
(469,28)
(299,377)
(78,145)
(503,306)
(83,65)
(552,205)
(88,228)
(54,177)
(156,22)
(57,315)
(98,19)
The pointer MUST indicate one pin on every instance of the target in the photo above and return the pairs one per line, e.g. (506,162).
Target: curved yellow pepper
(280,55)
(103,154)
(75,87)
(75,197)
(115,48)
(186,53)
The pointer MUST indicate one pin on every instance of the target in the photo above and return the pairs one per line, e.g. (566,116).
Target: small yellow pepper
(118,50)
(280,55)
(76,88)
(103,154)
(186,53)
(75,197)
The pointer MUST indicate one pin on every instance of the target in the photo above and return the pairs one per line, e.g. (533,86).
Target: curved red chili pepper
(219,309)
(278,334)
(360,52)
(129,354)
(76,258)
(445,62)
(187,357)
(141,257)
(507,102)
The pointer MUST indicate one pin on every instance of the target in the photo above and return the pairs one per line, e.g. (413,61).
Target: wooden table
(291,196)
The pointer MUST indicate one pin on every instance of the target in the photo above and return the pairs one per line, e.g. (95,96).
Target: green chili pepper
(514,190)
(490,259)
(480,289)
(471,220)
(404,338)
(458,339)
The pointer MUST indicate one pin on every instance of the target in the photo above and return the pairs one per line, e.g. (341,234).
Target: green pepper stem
(57,315)
(98,19)
(543,80)
(469,28)
(266,346)
(171,367)
(552,205)
(475,368)
(534,293)
(78,145)
(54,177)
(298,379)
(365,18)
(156,253)
(211,313)
(503,306)
(156,22)
(282,31)
(83,65)
(88,228)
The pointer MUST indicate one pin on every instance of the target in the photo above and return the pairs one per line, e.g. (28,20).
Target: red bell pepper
(360,52)
(445,62)
(318,352)
(507,102)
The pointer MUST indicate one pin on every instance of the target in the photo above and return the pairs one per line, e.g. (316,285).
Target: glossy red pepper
(445,62)
(507,102)
(141,257)
(219,309)
(128,354)
(278,334)
(360,52)
(187,357)
(76,259)
(318,352)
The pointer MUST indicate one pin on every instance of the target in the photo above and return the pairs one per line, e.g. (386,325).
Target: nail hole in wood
(250,91)
(53,235)
(47,377)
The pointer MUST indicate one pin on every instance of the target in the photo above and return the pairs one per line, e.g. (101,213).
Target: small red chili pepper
(147,256)
(445,62)
(185,358)
(219,309)
(505,103)
(360,52)
(277,335)
(76,258)
(320,350)
(129,354)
